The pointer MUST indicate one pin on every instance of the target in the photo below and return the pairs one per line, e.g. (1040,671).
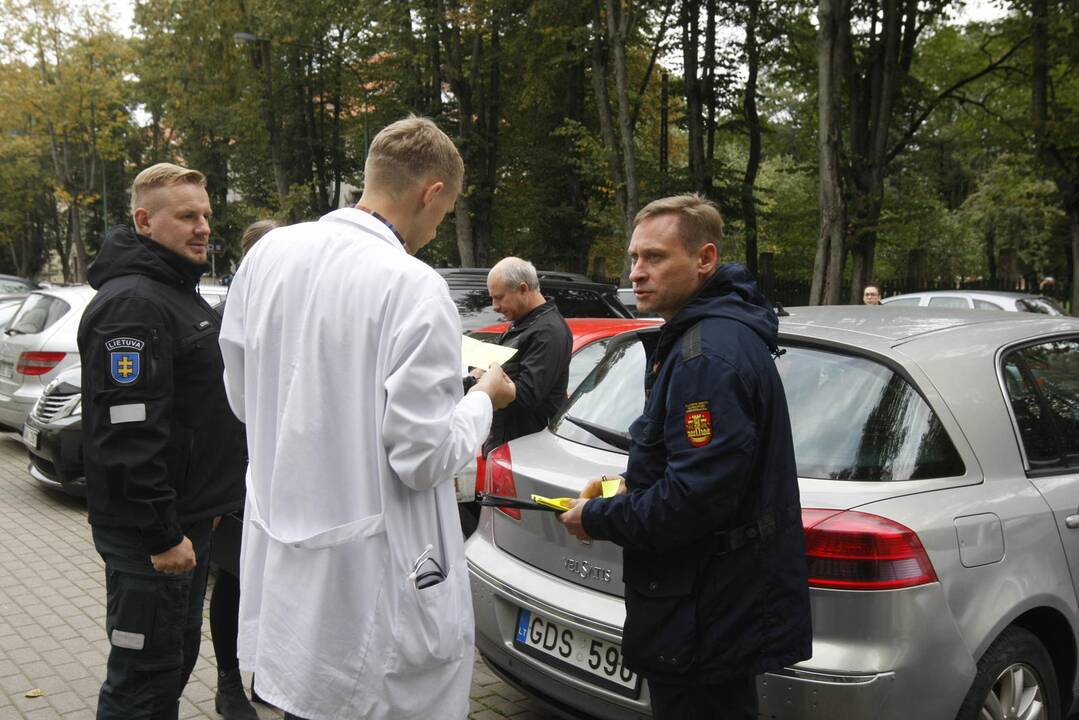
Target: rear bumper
(14,409)
(895,655)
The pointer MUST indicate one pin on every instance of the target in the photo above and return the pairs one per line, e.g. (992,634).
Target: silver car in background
(938,462)
(37,344)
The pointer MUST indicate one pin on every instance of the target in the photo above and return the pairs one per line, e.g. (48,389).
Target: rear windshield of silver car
(852,418)
(37,312)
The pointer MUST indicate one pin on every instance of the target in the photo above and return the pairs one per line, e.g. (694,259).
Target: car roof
(480,274)
(882,327)
(588,330)
(68,292)
(998,294)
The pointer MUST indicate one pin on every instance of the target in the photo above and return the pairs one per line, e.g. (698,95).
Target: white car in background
(978,300)
(39,342)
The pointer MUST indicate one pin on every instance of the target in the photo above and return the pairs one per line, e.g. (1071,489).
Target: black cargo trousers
(154,625)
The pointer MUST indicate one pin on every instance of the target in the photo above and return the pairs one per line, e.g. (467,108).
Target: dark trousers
(735,699)
(154,625)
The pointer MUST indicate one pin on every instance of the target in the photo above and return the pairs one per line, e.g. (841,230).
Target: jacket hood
(125,252)
(730,293)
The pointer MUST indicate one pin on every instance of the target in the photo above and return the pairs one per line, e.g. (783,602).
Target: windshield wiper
(618,439)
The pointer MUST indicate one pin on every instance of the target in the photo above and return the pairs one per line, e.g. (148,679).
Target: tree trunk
(753,128)
(1073,228)
(832,16)
(694,102)
(619,21)
(463,216)
(606,121)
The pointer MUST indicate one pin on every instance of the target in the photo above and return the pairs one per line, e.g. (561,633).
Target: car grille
(46,408)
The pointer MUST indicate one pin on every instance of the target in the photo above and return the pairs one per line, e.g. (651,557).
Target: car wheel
(1015,681)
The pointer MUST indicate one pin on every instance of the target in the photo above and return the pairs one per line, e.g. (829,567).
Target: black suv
(574,294)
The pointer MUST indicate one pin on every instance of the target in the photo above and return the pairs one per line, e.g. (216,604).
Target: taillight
(38,363)
(498,477)
(851,550)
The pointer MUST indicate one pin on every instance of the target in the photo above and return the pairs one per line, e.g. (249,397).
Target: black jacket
(161,446)
(714,557)
(540,370)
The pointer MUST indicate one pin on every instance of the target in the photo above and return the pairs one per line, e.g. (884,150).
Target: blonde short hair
(254,233)
(699,221)
(410,151)
(161,175)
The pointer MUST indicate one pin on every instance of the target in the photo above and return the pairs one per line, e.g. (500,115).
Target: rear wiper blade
(618,439)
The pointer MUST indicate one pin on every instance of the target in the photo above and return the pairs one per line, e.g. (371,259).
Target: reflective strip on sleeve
(135,412)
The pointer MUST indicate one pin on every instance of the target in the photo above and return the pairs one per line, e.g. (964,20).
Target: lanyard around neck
(384,221)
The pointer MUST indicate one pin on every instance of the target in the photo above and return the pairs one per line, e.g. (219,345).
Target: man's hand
(176,560)
(497,385)
(572,520)
(477,372)
(594,488)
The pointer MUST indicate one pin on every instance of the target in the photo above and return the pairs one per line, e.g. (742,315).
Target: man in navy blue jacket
(709,520)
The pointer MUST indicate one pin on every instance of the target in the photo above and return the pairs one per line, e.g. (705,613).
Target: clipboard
(519,504)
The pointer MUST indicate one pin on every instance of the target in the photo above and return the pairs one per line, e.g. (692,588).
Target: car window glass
(949,302)
(611,395)
(855,419)
(1044,306)
(851,418)
(986,305)
(583,361)
(1043,387)
(37,313)
(903,301)
(14,286)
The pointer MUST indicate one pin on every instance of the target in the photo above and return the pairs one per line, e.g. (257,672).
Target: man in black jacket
(709,519)
(540,369)
(163,452)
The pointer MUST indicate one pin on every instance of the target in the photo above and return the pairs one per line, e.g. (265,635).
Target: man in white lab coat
(343,356)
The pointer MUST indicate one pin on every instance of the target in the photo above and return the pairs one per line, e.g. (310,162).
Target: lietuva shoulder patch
(698,421)
(125,359)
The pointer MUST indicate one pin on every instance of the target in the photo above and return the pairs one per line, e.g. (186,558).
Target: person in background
(343,356)
(230,700)
(871,294)
(708,516)
(164,455)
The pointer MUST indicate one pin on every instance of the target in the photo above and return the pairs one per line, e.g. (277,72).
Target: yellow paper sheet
(610,486)
(476,353)
(556,503)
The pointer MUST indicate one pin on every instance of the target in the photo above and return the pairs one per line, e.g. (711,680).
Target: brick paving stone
(52,613)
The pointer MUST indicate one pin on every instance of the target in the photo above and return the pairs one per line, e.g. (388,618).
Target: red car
(590,336)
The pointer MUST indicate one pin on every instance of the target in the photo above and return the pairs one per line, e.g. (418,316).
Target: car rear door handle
(1072,522)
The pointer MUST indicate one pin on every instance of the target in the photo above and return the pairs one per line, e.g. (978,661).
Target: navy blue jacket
(711,465)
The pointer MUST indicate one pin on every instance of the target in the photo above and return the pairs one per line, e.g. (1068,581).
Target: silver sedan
(938,457)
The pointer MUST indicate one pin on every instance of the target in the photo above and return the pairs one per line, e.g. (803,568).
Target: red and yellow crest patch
(698,423)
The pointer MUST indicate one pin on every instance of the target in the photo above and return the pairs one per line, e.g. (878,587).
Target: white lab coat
(342,355)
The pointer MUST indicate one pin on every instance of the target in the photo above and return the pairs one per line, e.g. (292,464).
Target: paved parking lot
(52,608)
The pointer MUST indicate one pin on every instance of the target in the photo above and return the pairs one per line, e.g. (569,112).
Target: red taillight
(849,550)
(498,477)
(38,363)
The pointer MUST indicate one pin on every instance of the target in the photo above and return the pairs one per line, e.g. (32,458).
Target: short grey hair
(513,271)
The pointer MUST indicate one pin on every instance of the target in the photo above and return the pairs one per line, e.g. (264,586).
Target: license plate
(7,370)
(576,652)
(29,436)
